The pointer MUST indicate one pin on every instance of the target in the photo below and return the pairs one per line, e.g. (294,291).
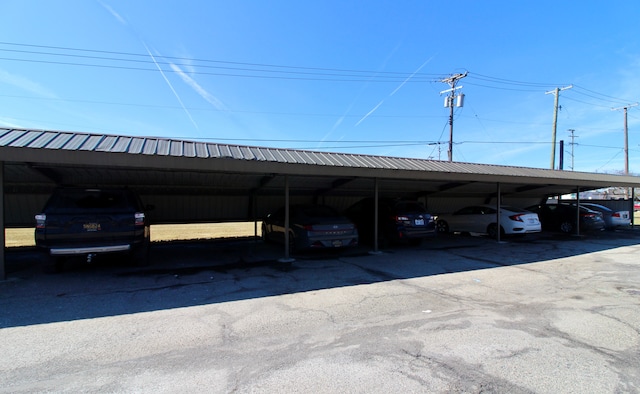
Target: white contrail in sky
(126,24)
(113,12)
(370,112)
(411,76)
(171,87)
(394,91)
(26,84)
(199,89)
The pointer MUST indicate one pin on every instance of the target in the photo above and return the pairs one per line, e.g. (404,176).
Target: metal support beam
(287,239)
(633,199)
(376,217)
(3,274)
(578,210)
(499,206)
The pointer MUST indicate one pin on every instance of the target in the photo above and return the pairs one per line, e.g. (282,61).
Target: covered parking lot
(191,181)
(545,313)
(542,314)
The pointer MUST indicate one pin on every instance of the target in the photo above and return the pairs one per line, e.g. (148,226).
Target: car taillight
(400,218)
(615,214)
(516,218)
(41,220)
(588,215)
(139,219)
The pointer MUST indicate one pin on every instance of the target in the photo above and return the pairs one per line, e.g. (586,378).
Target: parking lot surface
(538,314)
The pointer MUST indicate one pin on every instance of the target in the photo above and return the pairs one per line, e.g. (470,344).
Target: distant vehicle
(562,217)
(636,206)
(87,222)
(482,219)
(612,219)
(398,220)
(310,227)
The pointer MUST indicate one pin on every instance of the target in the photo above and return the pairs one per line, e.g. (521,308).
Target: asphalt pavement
(538,314)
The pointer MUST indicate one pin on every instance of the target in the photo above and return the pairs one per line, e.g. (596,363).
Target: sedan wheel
(442,226)
(566,227)
(492,230)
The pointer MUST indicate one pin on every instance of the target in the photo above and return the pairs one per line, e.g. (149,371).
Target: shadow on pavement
(185,274)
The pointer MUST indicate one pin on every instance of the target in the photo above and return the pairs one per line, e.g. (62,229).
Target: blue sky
(343,76)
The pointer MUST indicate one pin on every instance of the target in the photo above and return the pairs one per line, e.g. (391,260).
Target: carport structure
(191,181)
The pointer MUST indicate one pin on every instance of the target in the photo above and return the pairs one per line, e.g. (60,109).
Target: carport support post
(632,205)
(578,210)
(375,215)
(286,217)
(2,239)
(286,259)
(498,205)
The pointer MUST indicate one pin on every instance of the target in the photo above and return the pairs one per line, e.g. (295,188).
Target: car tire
(566,227)
(442,226)
(141,256)
(53,264)
(59,264)
(292,244)
(492,230)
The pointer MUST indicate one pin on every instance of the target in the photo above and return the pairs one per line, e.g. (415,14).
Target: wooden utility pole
(626,136)
(449,102)
(556,93)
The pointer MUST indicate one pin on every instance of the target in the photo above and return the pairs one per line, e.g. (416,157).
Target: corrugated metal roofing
(58,140)
(162,169)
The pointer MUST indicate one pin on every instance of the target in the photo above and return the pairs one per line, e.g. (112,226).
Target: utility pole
(448,102)
(626,136)
(572,143)
(556,93)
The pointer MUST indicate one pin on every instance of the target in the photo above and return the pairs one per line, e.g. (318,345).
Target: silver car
(612,219)
(311,227)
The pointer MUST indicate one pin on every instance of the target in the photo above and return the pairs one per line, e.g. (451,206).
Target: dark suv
(87,222)
(398,220)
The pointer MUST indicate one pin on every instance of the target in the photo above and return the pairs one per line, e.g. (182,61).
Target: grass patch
(23,237)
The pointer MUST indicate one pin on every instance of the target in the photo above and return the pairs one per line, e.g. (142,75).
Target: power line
(510,81)
(190,60)
(284,71)
(623,101)
(263,70)
(129,104)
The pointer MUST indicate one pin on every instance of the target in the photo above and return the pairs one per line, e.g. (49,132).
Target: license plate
(91,227)
(419,222)
(337,243)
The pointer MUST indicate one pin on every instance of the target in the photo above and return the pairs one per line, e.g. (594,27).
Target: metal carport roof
(35,161)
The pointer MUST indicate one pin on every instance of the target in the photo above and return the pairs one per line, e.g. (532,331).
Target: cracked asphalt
(539,314)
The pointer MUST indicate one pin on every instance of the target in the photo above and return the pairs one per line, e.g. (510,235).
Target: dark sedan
(398,220)
(563,217)
(310,227)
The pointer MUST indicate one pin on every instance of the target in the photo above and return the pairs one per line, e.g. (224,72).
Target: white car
(483,219)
